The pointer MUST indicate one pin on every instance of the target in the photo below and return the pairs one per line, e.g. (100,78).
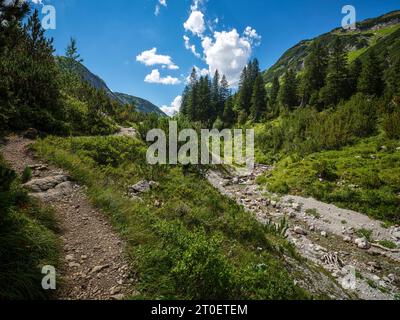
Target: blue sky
(117,38)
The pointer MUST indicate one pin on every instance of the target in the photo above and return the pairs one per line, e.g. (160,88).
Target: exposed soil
(94,264)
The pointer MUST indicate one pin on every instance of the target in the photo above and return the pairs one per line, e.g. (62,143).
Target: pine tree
(355,72)
(216,94)
(275,91)
(393,78)
(315,71)
(258,100)
(371,78)
(338,75)
(229,114)
(288,93)
(244,96)
(71,52)
(225,91)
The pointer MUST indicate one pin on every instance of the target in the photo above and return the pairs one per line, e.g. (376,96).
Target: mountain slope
(142,105)
(381,33)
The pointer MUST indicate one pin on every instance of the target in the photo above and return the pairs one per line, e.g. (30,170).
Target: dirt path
(94,265)
(324,234)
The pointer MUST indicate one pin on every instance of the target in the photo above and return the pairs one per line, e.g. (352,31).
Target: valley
(316,218)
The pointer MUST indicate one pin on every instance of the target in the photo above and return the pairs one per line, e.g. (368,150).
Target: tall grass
(27,241)
(186,241)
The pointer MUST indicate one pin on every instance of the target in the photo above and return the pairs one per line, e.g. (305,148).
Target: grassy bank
(364,177)
(27,240)
(185,240)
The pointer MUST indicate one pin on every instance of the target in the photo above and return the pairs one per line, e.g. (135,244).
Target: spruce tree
(215,94)
(315,71)
(229,114)
(337,86)
(288,93)
(393,78)
(371,78)
(354,75)
(71,52)
(258,99)
(275,91)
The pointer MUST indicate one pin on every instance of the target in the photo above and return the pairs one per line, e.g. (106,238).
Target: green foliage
(200,269)
(365,233)
(337,82)
(27,241)
(388,244)
(316,66)
(288,96)
(362,177)
(371,77)
(196,245)
(203,100)
(71,52)
(258,99)
(26,175)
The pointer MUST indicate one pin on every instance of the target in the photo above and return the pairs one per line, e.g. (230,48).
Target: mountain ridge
(370,33)
(142,105)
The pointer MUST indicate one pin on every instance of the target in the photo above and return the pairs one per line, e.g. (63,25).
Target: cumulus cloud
(252,35)
(151,58)
(155,77)
(190,46)
(195,23)
(161,3)
(174,107)
(227,52)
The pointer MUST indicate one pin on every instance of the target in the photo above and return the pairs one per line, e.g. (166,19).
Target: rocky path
(94,266)
(324,234)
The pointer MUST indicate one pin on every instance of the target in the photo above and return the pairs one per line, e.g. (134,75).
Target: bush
(26,175)
(325,170)
(202,271)
(391,125)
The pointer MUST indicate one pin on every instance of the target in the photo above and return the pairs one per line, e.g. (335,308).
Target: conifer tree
(71,52)
(275,91)
(337,85)
(315,71)
(229,114)
(371,78)
(288,93)
(258,99)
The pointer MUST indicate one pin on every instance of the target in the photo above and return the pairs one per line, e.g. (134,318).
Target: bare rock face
(60,190)
(141,187)
(362,243)
(45,184)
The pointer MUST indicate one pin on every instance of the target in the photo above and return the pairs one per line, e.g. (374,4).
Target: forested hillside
(326,94)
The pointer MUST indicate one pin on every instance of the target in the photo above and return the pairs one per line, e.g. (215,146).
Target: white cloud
(174,107)
(155,77)
(190,47)
(195,23)
(161,3)
(228,53)
(252,35)
(151,58)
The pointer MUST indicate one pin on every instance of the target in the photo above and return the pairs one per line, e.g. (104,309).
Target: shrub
(203,272)
(325,170)
(26,175)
